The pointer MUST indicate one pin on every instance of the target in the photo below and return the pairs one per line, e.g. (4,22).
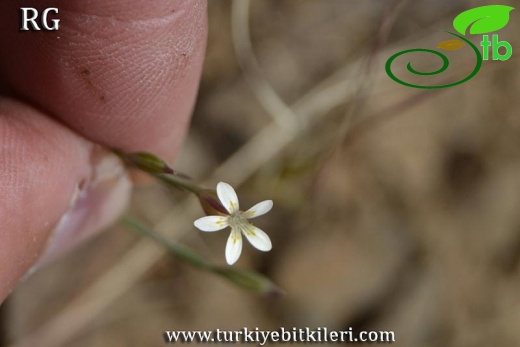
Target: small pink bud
(210,203)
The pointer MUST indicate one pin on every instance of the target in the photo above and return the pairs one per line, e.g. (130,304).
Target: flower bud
(147,162)
(210,203)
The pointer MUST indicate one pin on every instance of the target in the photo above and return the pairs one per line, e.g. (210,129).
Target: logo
(480,21)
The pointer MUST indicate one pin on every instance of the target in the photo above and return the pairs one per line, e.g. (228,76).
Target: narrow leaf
(181,252)
(249,280)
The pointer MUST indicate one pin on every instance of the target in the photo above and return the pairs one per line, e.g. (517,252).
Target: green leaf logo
(483,20)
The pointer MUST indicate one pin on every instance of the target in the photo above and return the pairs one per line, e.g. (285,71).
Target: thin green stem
(181,252)
(244,278)
(172,181)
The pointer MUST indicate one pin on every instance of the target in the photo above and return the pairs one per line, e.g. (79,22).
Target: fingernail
(97,202)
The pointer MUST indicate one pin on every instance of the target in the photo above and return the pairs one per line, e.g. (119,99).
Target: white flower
(238,222)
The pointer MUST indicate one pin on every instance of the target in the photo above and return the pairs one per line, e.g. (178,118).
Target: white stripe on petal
(258,238)
(259,209)
(211,223)
(228,197)
(233,246)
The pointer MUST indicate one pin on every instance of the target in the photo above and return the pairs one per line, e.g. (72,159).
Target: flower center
(238,220)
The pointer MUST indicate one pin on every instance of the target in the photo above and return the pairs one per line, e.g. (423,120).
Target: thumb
(57,190)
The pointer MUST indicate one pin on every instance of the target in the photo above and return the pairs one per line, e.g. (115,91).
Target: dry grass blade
(270,100)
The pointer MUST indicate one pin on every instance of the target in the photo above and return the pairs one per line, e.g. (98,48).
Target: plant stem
(181,252)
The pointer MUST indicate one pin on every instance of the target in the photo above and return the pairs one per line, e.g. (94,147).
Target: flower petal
(233,246)
(211,223)
(258,238)
(228,197)
(259,209)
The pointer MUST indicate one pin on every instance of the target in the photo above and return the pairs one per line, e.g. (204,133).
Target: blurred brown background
(395,208)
